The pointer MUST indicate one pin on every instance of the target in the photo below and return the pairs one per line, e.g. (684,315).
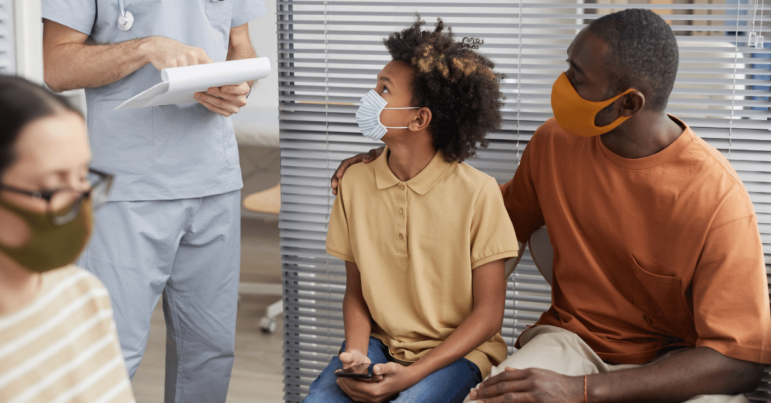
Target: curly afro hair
(456,83)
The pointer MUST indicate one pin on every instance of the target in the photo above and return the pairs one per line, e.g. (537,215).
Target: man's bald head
(642,53)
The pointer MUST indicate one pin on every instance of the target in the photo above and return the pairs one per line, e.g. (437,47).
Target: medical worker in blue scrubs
(172,226)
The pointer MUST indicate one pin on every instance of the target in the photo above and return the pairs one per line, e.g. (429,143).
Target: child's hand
(395,379)
(352,358)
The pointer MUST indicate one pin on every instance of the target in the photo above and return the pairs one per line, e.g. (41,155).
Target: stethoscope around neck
(125,18)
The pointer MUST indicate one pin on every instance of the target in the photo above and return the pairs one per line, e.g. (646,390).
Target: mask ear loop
(405,127)
(614,100)
(122,8)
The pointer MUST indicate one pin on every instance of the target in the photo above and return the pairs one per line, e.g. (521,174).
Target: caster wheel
(268,325)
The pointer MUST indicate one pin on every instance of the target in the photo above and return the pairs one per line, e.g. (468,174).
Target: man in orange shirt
(659,288)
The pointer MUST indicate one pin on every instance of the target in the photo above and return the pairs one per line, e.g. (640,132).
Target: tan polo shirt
(416,244)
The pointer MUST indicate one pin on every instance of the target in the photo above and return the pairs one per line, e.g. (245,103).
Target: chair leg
(268,322)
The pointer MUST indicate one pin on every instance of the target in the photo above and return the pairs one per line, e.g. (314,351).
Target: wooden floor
(257,369)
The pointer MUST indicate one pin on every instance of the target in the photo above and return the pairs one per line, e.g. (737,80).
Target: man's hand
(226,100)
(72,61)
(364,157)
(395,378)
(165,53)
(530,385)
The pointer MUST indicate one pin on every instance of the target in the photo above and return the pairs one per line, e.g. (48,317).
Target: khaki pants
(562,351)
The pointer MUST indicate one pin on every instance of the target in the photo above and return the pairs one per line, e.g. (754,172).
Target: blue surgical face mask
(368,115)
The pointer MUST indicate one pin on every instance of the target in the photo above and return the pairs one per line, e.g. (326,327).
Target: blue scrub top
(161,152)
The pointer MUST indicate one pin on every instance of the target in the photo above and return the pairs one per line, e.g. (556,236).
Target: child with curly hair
(423,235)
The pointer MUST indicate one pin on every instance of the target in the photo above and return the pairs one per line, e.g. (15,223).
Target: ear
(421,120)
(631,103)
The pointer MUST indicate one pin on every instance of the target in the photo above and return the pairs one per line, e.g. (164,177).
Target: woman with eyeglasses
(57,336)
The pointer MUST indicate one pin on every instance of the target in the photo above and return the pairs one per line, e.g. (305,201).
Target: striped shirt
(63,347)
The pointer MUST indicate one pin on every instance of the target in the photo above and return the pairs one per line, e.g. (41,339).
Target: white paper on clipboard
(180,84)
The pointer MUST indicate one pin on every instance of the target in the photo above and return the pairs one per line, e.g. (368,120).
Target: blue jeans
(447,385)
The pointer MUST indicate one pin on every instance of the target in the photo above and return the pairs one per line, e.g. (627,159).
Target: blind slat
(329,55)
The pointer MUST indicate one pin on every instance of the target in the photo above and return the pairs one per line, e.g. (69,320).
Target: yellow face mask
(575,114)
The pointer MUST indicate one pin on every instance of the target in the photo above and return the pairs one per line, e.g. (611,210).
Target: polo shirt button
(401,187)
(401,236)
(401,211)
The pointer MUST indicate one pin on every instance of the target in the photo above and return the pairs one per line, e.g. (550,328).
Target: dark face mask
(49,246)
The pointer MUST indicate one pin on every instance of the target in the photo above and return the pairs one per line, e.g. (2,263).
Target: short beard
(605,116)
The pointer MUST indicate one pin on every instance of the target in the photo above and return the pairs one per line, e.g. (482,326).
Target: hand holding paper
(226,100)
(180,84)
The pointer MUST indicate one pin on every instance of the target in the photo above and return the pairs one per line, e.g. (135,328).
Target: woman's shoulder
(70,283)
(70,276)
(69,288)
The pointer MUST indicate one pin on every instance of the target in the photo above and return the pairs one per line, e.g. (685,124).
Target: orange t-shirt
(649,253)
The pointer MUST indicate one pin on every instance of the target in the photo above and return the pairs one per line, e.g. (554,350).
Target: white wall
(263,34)
(257,123)
(28,31)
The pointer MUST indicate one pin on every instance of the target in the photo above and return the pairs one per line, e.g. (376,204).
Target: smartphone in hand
(361,371)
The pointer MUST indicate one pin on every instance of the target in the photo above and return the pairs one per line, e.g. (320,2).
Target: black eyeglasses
(64,204)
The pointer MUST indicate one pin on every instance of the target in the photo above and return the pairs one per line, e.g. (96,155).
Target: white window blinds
(331,51)
(7,52)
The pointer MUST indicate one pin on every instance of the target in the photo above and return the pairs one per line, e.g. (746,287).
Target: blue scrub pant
(450,384)
(189,251)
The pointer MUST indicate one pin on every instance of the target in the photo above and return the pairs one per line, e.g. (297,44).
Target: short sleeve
(521,199)
(247,10)
(79,15)
(730,291)
(338,234)
(492,234)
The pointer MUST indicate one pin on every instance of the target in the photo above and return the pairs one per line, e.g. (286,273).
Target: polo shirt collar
(421,183)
